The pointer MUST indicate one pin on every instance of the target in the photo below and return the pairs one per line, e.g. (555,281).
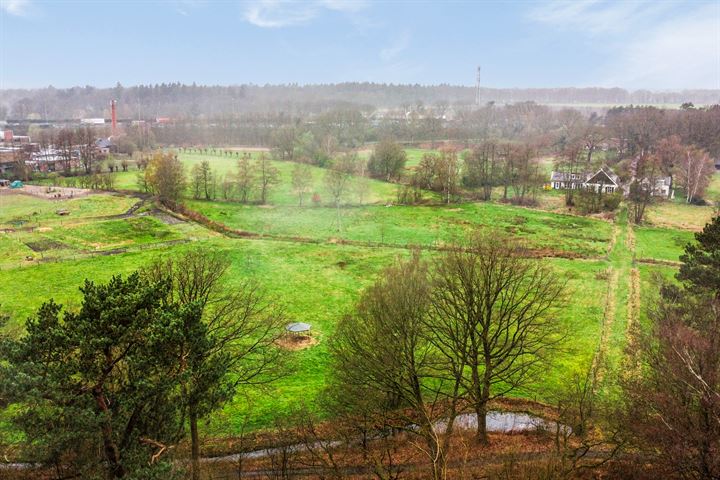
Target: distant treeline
(195,101)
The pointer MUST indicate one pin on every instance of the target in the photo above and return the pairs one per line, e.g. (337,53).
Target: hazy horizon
(667,46)
(319,84)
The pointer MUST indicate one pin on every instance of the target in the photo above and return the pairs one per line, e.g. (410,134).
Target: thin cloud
(396,48)
(187,7)
(18,8)
(285,13)
(597,16)
(682,52)
(661,45)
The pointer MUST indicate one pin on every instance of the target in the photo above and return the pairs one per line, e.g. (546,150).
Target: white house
(604,179)
(607,181)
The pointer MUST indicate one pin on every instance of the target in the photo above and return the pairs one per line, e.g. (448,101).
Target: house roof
(604,176)
(585,177)
(567,176)
(298,327)
(103,143)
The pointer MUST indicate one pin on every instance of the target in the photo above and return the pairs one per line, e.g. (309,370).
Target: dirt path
(622,303)
(48,192)
(598,363)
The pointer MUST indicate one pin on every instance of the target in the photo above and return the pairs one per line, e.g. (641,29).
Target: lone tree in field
(493,312)
(382,354)
(387,160)
(101,380)
(267,176)
(233,345)
(337,182)
(165,178)
(302,181)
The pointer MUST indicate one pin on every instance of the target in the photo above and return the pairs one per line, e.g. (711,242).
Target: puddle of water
(505,422)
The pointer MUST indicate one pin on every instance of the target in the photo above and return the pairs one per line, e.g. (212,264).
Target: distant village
(66,154)
(45,158)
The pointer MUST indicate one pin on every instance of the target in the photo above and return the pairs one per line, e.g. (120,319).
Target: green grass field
(319,282)
(416,225)
(661,243)
(316,283)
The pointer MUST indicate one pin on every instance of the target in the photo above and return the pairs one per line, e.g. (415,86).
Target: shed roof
(298,327)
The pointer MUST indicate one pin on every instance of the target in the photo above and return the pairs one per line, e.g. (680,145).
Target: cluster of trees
(107,389)
(477,172)
(164,175)
(672,410)
(252,181)
(432,338)
(643,145)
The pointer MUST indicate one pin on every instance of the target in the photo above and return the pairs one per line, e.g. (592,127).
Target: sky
(657,45)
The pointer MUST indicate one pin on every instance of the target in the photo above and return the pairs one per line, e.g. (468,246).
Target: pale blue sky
(655,45)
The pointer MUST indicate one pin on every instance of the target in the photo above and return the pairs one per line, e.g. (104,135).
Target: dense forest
(196,101)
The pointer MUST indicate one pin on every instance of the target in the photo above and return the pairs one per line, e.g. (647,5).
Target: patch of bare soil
(45,245)
(48,193)
(296,342)
(166,218)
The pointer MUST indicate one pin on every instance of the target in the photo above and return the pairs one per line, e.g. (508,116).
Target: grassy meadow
(44,255)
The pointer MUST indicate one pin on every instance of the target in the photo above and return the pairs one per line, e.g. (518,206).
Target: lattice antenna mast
(477,88)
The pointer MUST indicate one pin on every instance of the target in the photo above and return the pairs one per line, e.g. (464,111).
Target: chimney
(113,116)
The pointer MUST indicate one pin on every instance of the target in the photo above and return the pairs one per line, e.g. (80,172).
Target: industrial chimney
(113,116)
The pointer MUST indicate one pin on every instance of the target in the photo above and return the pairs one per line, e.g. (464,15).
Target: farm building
(104,146)
(604,179)
(607,181)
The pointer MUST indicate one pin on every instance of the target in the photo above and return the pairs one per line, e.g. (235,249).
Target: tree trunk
(112,454)
(195,440)
(481,433)
(481,408)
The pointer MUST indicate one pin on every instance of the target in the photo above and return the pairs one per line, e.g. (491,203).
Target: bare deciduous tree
(481,168)
(337,182)
(492,317)
(674,408)
(695,169)
(267,176)
(302,181)
(244,178)
(383,351)
(241,325)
